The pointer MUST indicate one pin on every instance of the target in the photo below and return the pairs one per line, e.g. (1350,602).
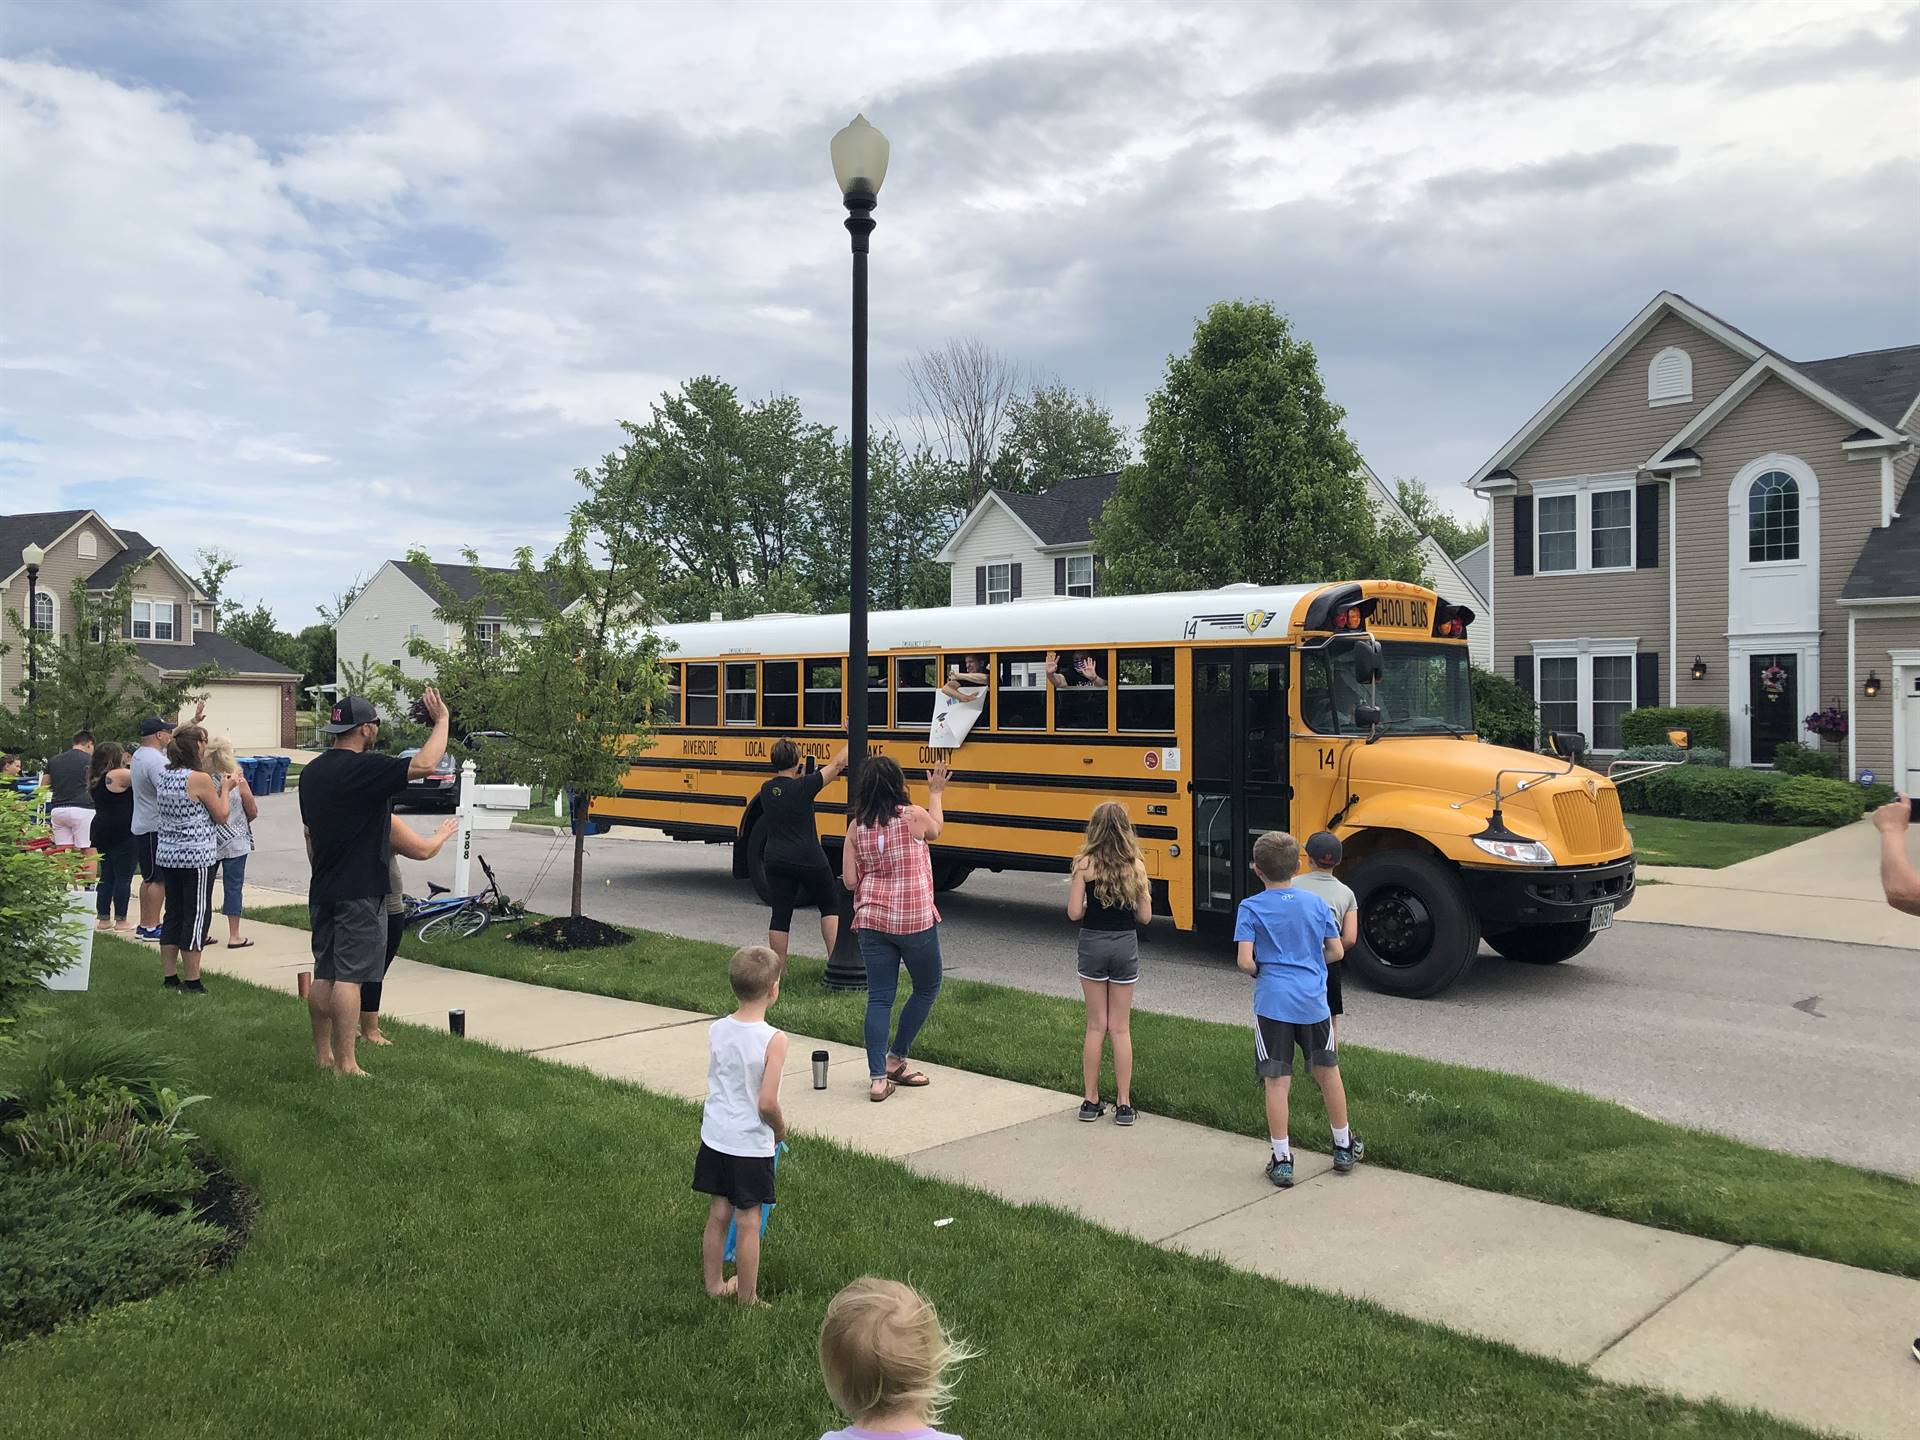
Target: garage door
(249,715)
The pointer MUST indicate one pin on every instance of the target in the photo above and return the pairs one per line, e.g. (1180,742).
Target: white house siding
(999,539)
(377,624)
(1448,585)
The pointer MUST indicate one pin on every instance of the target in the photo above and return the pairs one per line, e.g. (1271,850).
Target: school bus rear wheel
(1418,933)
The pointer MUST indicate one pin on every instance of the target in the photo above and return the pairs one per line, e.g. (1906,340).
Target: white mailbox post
(482,807)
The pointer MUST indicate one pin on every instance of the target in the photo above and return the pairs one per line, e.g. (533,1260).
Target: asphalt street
(1800,1045)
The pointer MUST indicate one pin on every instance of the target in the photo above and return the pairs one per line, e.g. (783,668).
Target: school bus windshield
(1424,690)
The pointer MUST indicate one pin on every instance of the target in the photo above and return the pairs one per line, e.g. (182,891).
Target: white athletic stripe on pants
(73,825)
(202,906)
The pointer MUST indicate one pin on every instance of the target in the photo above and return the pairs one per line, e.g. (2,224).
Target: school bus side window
(780,697)
(666,708)
(876,694)
(743,692)
(1022,686)
(970,675)
(703,694)
(1144,698)
(1328,692)
(1080,703)
(823,692)
(915,678)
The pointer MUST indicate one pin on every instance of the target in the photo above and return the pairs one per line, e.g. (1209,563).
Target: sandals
(883,1094)
(908,1079)
(240,944)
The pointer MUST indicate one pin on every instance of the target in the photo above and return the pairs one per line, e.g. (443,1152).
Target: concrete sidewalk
(1826,888)
(1815,1342)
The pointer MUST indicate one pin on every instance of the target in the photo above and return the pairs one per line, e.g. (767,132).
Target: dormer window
(89,546)
(1670,377)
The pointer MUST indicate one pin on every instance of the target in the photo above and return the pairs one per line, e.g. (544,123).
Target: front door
(1241,786)
(1773,704)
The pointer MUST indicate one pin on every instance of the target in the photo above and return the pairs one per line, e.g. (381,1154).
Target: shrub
(1503,713)
(1806,800)
(34,939)
(1704,755)
(100,1133)
(1757,796)
(1877,794)
(1650,725)
(134,1060)
(69,1244)
(1791,758)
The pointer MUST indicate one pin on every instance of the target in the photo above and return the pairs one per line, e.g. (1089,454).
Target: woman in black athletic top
(1110,897)
(793,860)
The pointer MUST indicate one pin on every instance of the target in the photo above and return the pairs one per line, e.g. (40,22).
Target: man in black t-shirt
(793,861)
(345,794)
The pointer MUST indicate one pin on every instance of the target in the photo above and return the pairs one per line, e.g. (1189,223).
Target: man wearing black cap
(148,760)
(344,798)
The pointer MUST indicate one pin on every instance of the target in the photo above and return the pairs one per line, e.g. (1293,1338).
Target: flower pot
(76,938)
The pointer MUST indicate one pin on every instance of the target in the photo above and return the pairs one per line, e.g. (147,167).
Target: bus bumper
(1510,899)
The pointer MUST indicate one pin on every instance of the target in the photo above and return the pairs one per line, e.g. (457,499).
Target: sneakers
(1343,1158)
(170,982)
(1359,1147)
(194,987)
(1123,1115)
(1280,1173)
(141,932)
(1091,1110)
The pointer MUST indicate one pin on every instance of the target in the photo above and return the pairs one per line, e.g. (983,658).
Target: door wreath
(1773,682)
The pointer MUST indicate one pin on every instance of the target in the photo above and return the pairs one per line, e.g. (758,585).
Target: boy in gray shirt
(1323,851)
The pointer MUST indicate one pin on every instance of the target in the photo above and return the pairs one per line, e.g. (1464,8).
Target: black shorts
(1333,988)
(787,883)
(148,848)
(743,1181)
(349,939)
(1274,1042)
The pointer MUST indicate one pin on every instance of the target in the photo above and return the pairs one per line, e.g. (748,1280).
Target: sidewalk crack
(1601,1354)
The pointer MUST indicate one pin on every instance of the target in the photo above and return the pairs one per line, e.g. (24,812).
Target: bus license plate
(1602,918)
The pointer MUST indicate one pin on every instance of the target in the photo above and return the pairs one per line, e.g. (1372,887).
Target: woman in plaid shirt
(887,868)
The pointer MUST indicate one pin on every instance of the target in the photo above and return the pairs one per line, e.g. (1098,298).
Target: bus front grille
(1591,825)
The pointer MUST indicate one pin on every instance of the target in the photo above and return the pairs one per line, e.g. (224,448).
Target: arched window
(1773,517)
(1670,377)
(43,612)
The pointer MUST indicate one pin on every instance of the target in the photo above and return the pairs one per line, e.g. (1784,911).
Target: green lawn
(1474,1127)
(539,815)
(480,1243)
(1709,844)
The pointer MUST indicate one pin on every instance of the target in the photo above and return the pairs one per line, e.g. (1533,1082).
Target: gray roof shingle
(210,648)
(139,550)
(1065,514)
(1881,382)
(1477,566)
(1889,563)
(43,528)
(463,580)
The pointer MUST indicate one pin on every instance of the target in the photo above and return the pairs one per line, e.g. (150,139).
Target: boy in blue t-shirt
(1285,939)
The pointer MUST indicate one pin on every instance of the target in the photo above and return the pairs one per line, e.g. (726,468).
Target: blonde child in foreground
(1285,939)
(887,1362)
(741,1125)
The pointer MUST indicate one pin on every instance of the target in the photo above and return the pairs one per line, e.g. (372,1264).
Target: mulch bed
(223,1201)
(566,933)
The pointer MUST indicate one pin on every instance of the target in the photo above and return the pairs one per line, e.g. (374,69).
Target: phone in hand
(1913,809)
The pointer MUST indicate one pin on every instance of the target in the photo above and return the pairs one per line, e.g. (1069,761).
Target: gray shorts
(1110,955)
(1274,1042)
(349,939)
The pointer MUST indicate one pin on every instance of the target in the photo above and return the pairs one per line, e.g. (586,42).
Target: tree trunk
(579,852)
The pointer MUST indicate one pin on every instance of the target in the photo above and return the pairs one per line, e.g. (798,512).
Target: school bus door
(1240,770)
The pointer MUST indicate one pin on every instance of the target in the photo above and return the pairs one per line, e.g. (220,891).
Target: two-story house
(171,622)
(397,604)
(1016,547)
(1696,520)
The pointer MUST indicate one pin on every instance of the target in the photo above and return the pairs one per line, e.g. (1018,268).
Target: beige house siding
(1873,720)
(154,581)
(62,566)
(1612,427)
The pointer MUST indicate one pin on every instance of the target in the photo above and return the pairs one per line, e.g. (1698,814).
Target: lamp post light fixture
(1699,668)
(1872,687)
(860,155)
(31,556)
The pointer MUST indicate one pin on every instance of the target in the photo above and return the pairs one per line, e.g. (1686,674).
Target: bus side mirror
(1366,716)
(1682,738)
(1368,666)
(1567,744)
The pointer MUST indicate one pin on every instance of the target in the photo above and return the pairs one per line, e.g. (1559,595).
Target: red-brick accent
(287,734)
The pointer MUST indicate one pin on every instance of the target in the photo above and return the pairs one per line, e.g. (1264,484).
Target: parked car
(438,791)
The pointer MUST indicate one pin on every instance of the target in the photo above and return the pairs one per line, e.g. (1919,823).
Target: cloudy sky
(317,282)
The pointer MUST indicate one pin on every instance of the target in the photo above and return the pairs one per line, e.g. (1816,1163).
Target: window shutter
(979,584)
(1523,673)
(1523,534)
(1016,580)
(1059,574)
(1646,499)
(1646,678)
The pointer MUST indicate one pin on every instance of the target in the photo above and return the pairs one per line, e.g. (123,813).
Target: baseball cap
(1323,847)
(352,711)
(153,725)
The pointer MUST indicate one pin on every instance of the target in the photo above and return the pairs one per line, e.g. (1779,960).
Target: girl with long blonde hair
(1110,896)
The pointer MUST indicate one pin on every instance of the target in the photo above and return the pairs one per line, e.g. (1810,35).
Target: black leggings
(786,882)
(370,992)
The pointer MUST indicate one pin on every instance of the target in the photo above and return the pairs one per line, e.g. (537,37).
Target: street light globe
(33,554)
(860,158)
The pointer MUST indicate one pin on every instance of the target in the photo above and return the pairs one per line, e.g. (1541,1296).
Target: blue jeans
(233,880)
(115,887)
(884,954)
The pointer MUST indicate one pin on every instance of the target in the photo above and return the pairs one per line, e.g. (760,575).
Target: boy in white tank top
(741,1125)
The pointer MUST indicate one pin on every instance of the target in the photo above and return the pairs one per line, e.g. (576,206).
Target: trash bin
(250,771)
(281,764)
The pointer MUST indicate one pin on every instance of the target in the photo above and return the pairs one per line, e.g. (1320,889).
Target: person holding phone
(1899,880)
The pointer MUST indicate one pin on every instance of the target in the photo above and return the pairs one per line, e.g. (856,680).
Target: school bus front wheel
(1418,931)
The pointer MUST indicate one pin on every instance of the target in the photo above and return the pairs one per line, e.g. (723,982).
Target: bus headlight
(1520,852)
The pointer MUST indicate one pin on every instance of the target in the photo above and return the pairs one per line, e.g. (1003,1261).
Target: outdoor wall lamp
(1699,668)
(1872,687)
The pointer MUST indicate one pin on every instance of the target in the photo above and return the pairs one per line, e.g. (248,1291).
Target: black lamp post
(32,555)
(859,165)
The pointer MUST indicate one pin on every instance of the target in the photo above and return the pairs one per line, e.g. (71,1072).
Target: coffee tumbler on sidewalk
(456,1022)
(820,1058)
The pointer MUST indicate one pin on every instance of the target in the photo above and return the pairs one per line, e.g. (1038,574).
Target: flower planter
(76,936)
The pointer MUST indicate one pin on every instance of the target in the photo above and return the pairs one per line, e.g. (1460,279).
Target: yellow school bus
(1213,716)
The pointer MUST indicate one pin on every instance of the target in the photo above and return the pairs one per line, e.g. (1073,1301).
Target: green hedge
(1792,758)
(1503,713)
(1650,726)
(1753,796)
(1702,755)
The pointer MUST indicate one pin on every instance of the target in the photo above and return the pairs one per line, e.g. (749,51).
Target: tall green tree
(915,500)
(1245,472)
(576,682)
(1431,518)
(1053,434)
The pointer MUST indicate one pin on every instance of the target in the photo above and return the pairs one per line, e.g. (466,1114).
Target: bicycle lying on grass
(442,914)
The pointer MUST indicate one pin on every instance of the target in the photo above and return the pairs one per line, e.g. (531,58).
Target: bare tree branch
(961,392)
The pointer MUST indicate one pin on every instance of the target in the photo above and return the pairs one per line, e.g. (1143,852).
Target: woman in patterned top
(886,866)
(192,804)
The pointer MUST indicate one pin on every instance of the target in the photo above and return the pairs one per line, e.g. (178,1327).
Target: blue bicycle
(443,915)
